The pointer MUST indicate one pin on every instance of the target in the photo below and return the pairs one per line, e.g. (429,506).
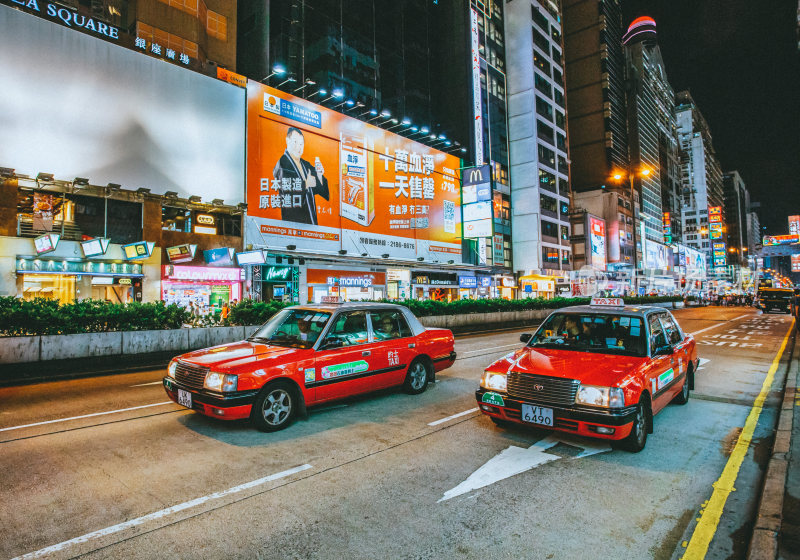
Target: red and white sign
(795,263)
(610,302)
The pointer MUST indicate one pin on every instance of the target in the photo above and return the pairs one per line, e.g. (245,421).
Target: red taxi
(307,355)
(602,370)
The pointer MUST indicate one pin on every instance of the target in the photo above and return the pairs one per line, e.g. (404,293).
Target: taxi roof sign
(607,302)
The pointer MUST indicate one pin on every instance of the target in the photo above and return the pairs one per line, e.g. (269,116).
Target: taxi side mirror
(525,337)
(329,343)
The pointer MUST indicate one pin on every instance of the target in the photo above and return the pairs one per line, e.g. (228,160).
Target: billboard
(715,222)
(325,182)
(718,254)
(476,201)
(794,225)
(795,263)
(114,115)
(693,260)
(656,255)
(779,239)
(597,242)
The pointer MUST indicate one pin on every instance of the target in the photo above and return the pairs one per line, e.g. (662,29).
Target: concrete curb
(764,542)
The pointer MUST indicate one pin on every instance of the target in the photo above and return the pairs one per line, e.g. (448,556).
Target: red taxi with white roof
(307,355)
(602,370)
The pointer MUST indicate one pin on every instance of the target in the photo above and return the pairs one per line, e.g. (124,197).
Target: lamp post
(631,176)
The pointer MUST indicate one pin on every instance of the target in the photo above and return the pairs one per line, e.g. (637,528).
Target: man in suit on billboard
(312,179)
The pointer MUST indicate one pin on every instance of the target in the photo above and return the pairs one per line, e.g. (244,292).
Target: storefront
(67,280)
(326,285)
(536,286)
(275,282)
(398,283)
(440,286)
(206,286)
(506,287)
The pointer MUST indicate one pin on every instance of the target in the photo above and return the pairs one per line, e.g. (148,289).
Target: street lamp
(308,82)
(277,70)
(644,172)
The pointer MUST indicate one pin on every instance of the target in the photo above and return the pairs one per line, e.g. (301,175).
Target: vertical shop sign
(477,109)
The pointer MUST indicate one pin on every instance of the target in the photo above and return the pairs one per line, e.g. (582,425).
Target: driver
(305,329)
(388,327)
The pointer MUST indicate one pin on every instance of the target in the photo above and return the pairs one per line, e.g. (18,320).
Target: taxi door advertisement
(321,180)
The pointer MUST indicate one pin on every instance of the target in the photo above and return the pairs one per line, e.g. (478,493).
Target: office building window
(549,229)
(544,108)
(548,204)
(542,85)
(544,132)
(547,156)
(188,6)
(540,40)
(549,255)
(166,40)
(561,121)
(566,257)
(541,62)
(547,180)
(539,19)
(564,233)
(217,25)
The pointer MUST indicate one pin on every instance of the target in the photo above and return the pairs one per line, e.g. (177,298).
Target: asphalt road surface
(107,467)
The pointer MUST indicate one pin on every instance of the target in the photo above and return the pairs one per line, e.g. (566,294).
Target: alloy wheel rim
(418,375)
(640,427)
(277,406)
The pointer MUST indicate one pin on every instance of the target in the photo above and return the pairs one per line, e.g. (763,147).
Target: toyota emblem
(538,387)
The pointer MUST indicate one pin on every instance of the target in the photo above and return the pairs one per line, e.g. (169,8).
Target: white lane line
(161,513)
(492,348)
(84,416)
(146,384)
(454,416)
(718,325)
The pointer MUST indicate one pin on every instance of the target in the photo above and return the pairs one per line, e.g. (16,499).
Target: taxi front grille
(190,375)
(541,388)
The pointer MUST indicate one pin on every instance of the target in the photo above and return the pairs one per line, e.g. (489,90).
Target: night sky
(739,59)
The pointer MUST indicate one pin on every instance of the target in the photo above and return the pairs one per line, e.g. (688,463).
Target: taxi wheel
(637,439)
(417,378)
(683,396)
(274,407)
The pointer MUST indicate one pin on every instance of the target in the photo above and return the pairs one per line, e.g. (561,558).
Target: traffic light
(683,282)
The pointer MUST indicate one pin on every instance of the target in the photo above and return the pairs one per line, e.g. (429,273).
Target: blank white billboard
(76,106)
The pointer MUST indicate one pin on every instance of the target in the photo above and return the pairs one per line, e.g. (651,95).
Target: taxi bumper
(235,406)
(610,424)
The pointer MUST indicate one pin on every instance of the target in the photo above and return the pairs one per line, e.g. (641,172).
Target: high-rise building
(652,133)
(598,139)
(540,194)
(737,203)
(701,175)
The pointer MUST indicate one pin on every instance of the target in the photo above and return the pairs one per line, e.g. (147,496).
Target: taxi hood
(588,367)
(228,357)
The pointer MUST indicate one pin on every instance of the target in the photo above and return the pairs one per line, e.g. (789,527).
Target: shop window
(176,219)
(389,324)
(57,287)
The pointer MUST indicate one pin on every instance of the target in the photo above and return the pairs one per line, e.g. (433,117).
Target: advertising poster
(779,239)
(794,225)
(715,222)
(657,255)
(322,181)
(795,263)
(42,211)
(694,261)
(597,240)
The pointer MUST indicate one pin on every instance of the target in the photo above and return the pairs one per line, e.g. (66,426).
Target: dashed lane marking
(84,416)
(453,417)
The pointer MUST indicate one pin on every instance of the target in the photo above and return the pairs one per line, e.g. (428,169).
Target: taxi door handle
(412,345)
(365,353)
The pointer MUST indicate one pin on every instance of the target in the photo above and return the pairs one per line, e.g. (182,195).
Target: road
(106,467)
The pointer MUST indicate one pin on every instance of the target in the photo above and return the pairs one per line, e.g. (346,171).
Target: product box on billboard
(356,194)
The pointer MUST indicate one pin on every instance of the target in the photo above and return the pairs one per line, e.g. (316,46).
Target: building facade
(737,204)
(541,193)
(701,175)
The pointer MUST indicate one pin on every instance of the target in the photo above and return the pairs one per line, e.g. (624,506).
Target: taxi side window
(388,324)
(349,329)
(671,328)
(657,337)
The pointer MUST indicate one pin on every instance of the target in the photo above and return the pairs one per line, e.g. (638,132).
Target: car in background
(307,355)
(768,299)
(602,371)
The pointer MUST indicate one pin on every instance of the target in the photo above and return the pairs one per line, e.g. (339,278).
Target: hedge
(41,316)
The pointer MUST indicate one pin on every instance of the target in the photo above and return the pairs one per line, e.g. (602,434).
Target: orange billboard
(323,181)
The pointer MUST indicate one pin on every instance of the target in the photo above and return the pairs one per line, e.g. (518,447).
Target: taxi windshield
(297,328)
(604,333)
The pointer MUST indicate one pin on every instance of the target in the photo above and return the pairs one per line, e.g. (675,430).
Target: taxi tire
(412,373)
(280,391)
(683,396)
(637,439)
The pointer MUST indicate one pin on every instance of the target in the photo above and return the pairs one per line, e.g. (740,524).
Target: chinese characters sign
(320,180)
(715,222)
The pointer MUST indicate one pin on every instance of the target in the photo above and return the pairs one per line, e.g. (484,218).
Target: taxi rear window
(605,333)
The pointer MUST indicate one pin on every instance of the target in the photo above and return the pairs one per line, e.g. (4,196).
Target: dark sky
(739,59)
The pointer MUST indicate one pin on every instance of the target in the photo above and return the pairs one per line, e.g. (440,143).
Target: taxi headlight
(220,382)
(593,395)
(173,365)
(494,381)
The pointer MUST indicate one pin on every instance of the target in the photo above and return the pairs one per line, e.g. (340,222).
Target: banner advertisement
(718,254)
(780,239)
(326,182)
(657,255)
(715,222)
(693,260)
(597,241)
(795,263)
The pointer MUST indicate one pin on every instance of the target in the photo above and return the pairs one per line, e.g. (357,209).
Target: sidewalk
(789,534)
(776,533)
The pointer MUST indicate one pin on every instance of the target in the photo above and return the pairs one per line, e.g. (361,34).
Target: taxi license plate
(537,415)
(185,398)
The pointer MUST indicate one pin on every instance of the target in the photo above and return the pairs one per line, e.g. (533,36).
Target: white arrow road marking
(702,362)
(515,460)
